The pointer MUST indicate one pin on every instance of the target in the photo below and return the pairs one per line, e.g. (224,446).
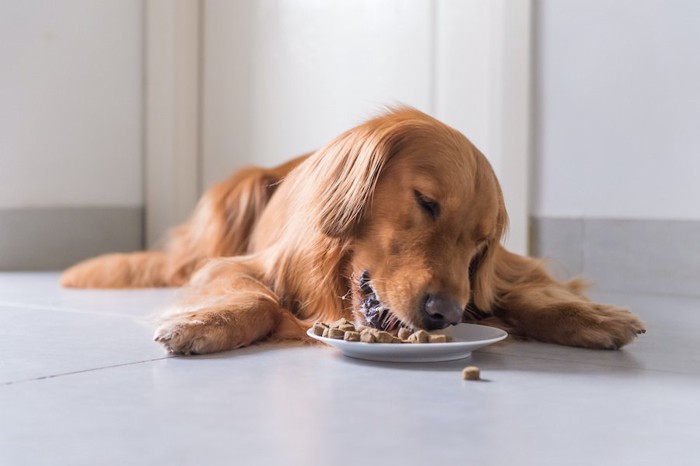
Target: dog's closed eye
(481,241)
(430,206)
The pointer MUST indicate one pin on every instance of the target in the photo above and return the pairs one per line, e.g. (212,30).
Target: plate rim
(331,341)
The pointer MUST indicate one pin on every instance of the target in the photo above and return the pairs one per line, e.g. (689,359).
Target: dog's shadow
(489,363)
(442,366)
(501,357)
(558,359)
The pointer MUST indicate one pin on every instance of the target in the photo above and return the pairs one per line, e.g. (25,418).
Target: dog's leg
(140,269)
(538,306)
(226,307)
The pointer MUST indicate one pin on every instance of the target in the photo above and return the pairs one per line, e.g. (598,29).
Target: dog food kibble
(437,339)
(384,337)
(342,329)
(340,322)
(421,336)
(368,337)
(336,333)
(471,373)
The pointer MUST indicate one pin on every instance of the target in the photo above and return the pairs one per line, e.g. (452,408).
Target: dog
(395,223)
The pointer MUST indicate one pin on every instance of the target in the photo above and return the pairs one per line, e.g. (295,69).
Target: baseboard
(54,238)
(649,256)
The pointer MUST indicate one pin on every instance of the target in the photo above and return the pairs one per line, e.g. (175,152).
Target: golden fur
(403,202)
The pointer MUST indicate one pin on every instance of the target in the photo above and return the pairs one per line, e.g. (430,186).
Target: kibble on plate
(336,333)
(342,329)
(404,333)
(384,337)
(319,328)
(340,322)
(368,337)
(421,336)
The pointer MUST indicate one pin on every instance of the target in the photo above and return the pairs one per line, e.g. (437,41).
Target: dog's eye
(431,207)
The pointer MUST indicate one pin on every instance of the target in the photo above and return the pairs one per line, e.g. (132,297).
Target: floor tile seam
(82,371)
(41,307)
(590,363)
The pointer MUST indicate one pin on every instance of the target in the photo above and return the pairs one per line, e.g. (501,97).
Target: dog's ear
(483,269)
(341,177)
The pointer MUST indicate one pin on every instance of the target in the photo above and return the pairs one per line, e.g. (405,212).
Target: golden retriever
(396,222)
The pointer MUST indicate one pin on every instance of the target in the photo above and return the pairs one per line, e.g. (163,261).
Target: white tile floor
(81,382)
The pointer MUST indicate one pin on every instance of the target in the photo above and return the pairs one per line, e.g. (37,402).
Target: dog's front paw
(191,336)
(607,327)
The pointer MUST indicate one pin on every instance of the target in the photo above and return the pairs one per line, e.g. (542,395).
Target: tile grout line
(63,374)
(41,307)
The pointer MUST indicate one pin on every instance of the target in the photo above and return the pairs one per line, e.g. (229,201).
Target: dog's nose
(440,311)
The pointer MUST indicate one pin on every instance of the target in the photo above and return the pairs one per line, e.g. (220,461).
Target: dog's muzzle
(439,311)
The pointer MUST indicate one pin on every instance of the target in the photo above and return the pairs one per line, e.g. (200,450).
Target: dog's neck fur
(320,288)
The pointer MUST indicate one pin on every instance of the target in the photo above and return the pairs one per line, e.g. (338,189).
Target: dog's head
(422,213)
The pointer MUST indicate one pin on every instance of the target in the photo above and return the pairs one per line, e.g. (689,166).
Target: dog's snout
(439,311)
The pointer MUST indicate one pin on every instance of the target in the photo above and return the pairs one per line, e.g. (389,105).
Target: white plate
(467,338)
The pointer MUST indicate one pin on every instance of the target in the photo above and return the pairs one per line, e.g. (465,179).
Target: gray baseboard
(54,238)
(648,256)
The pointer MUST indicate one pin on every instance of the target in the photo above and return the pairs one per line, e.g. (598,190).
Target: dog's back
(220,226)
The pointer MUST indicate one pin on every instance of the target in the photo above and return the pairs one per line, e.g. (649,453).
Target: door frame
(172,113)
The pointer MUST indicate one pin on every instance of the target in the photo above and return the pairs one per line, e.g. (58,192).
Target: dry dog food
(368,337)
(437,339)
(342,329)
(471,373)
(421,336)
(334,332)
(404,333)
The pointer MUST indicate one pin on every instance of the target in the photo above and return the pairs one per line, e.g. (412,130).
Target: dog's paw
(607,327)
(191,336)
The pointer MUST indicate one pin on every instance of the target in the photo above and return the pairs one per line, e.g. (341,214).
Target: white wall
(618,121)
(70,103)
(284,77)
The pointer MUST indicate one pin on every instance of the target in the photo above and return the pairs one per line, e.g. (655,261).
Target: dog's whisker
(347,295)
